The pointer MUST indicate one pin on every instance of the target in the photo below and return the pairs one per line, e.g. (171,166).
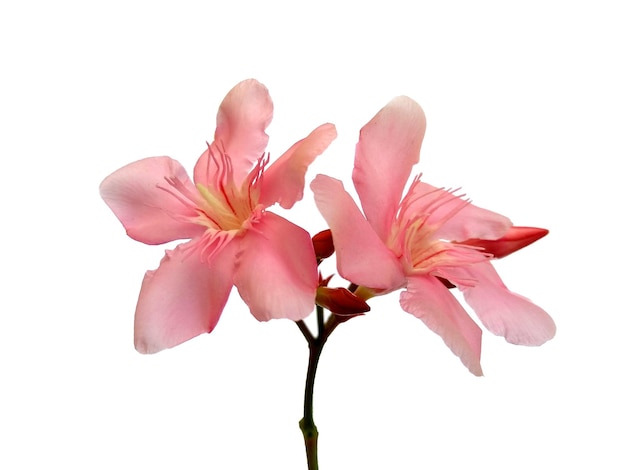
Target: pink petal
(459,219)
(362,257)
(505,313)
(183,298)
(276,271)
(514,239)
(283,182)
(430,301)
(151,209)
(242,119)
(388,147)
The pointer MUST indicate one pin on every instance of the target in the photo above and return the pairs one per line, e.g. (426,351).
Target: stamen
(421,262)
(414,233)
(252,183)
(213,244)
(444,196)
(184,196)
(224,205)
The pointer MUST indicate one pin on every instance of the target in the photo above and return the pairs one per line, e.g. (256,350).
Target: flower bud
(323,244)
(515,239)
(340,301)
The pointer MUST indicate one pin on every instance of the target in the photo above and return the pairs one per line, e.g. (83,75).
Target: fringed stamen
(224,204)
(441,198)
(252,183)
(212,243)
(183,195)
(419,218)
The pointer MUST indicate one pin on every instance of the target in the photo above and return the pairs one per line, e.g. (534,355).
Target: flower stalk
(316,344)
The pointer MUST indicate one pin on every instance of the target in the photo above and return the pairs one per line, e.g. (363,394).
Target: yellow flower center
(222,207)
(414,236)
(225,206)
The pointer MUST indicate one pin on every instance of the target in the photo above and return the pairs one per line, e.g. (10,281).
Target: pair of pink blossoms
(426,241)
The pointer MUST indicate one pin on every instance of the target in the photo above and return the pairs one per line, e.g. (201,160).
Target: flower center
(225,205)
(414,233)
(221,206)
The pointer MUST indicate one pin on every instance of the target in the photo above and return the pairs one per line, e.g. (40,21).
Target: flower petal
(362,257)
(150,208)
(283,181)
(430,301)
(276,271)
(183,298)
(505,313)
(459,219)
(389,145)
(242,119)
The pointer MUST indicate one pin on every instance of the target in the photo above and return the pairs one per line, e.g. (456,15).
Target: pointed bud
(323,244)
(515,239)
(340,301)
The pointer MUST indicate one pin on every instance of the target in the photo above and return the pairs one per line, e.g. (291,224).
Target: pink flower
(233,239)
(411,242)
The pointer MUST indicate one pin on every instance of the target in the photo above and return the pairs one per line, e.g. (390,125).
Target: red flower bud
(340,301)
(323,244)
(515,239)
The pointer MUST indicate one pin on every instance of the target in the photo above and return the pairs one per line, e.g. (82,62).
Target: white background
(525,107)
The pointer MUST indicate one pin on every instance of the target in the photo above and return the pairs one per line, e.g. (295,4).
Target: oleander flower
(415,241)
(233,239)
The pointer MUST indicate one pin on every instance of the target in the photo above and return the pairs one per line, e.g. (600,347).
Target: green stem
(307,425)
(305,331)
